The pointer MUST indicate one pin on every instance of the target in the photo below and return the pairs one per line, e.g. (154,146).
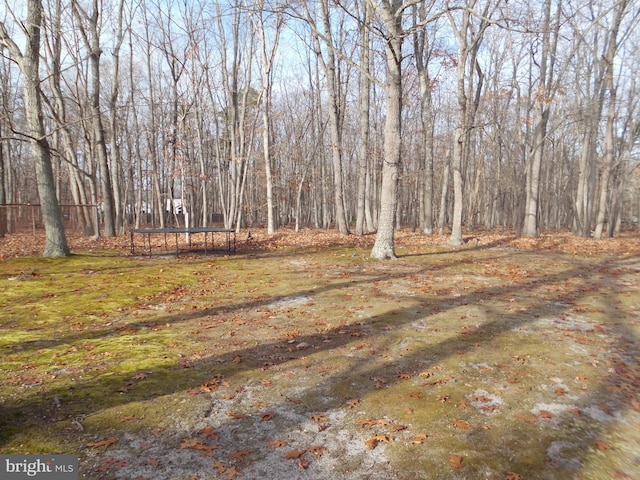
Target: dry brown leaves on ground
(625,243)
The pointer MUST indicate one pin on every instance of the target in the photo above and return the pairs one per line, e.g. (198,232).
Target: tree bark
(609,160)
(28,62)
(364,103)
(384,244)
(422,55)
(543,100)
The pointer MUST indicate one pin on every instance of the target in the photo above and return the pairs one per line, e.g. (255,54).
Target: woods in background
(360,115)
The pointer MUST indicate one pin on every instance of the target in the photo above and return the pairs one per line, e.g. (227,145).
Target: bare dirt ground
(301,358)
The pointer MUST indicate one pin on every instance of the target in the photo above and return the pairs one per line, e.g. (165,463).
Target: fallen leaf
(221,467)
(526,418)
(462,424)
(480,398)
(419,439)
(102,443)
(372,442)
(318,451)
(601,445)
(267,416)
(277,443)
(489,408)
(189,443)
(319,418)
(295,454)
(513,476)
(196,444)
(353,403)
(367,423)
(232,473)
(237,359)
(545,414)
(455,460)
(236,416)
(239,454)
(208,432)
(303,464)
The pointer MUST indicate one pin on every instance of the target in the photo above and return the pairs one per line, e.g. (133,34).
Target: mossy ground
(491,362)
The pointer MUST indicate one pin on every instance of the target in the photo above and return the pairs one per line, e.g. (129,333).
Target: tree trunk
(364,101)
(55,239)
(543,101)
(384,244)
(92,43)
(609,139)
(113,108)
(267,68)
(442,216)
(469,38)
(3,196)
(422,55)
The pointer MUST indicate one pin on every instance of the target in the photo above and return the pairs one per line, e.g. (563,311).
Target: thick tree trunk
(530,225)
(55,239)
(608,163)
(92,42)
(384,244)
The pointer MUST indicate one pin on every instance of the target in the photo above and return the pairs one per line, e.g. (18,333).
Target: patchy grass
(300,357)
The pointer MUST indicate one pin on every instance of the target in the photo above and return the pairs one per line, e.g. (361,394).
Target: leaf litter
(514,359)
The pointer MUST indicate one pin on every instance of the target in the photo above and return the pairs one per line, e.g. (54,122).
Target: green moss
(119,343)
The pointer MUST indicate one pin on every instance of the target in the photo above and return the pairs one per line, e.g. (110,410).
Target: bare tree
(543,100)
(89,27)
(364,103)
(328,57)
(422,53)
(267,55)
(115,116)
(469,30)
(391,15)
(79,178)
(610,148)
(29,62)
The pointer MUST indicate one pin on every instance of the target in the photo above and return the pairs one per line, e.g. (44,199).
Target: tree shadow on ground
(19,413)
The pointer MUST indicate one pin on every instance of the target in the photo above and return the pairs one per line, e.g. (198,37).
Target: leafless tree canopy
(362,115)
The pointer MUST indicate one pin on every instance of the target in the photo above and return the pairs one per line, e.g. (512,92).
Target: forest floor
(299,357)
